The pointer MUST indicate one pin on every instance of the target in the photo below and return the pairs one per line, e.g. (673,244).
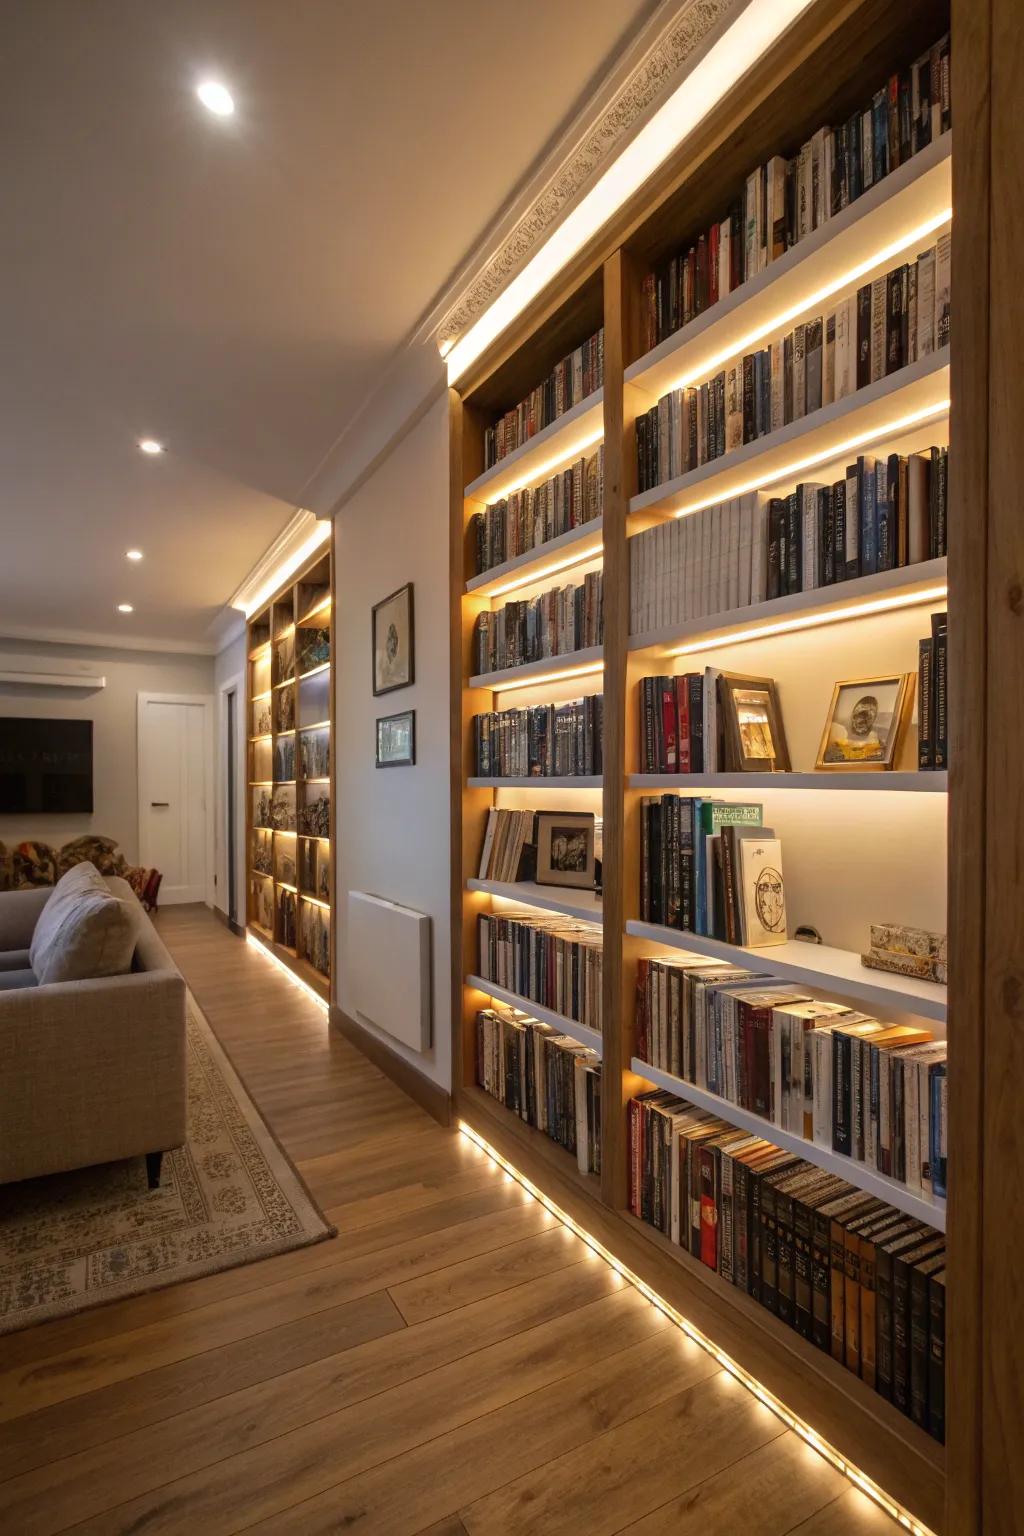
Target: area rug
(230,1196)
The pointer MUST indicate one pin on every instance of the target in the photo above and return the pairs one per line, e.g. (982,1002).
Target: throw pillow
(84,931)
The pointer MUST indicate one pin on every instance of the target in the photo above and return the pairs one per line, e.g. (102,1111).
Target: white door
(174,774)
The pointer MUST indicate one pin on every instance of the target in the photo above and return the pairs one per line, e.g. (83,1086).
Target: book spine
(925,728)
(937,1358)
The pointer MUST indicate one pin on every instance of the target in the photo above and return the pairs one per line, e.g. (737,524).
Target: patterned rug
(229,1196)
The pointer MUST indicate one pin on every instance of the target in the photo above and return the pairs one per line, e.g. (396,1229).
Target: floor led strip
(297,981)
(768,1399)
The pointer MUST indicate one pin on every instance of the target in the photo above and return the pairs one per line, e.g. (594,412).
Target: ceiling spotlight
(125,608)
(133,554)
(216,98)
(150,445)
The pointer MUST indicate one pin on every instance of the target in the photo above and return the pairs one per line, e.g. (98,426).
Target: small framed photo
(755,741)
(565,849)
(393,660)
(396,740)
(865,722)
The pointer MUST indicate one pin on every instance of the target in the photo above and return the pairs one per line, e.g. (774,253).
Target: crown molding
(297,540)
(100,642)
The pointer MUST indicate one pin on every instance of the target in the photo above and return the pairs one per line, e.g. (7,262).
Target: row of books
(885,514)
(543,741)
(564,619)
(711,868)
(530,518)
(547,1079)
(569,382)
(552,961)
(874,1092)
(887,324)
(785,200)
(507,838)
(932,706)
(844,1269)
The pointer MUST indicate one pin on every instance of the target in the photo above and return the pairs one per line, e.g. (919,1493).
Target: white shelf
(813,965)
(934,1212)
(561,553)
(902,202)
(536,671)
(537,781)
(869,415)
(915,783)
(568,437)
(820,605)
(585,905)
(580,1032)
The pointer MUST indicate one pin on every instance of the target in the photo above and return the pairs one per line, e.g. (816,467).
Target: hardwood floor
(454,1363)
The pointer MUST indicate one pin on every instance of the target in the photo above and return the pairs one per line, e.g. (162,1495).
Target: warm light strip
(258,650)
(281,832)
(540,679)
(283,634)
(289,567)
(321,725)
(285,682)
(755,29)
(264,695)
(815,620)
(320,778)
(824,456)
(576,558)
(314,671)
(312,837)
(325,602)
(267,736)
(283,884)
(314,901)
(767,1398)
(252,938)
(784,318)
(537,472)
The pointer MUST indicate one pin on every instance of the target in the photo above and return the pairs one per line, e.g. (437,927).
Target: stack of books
(549,1080)
(542,741)
(554,962)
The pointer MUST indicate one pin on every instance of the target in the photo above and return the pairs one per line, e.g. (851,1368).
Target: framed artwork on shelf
(565,849)
(865,722)
(396,740)
(755,741)
(393,653)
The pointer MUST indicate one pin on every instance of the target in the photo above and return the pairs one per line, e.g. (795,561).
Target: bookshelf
(290,795)
(833,59)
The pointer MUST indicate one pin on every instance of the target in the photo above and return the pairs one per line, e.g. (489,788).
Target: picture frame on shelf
(566,854)
(865,723)
(753,733)
(396,740)
(393,646)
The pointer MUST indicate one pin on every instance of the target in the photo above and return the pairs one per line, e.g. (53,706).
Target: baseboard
(428,1095)
(229,922)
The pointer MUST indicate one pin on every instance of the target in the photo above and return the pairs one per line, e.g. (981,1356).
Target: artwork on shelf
(262,854)
(565,849)
(284,760)
(261,718)
(396,740)
(907,951)
(262,809)
(315,817)
(392,642)
(323,871)
(315,868)
(282,808)
(315,753)
(315,936)
(314,647)
(754,739)
(285,708)
(286,916)
(263,904)
(865,722)
(284,658)
(763,891)
(284,861)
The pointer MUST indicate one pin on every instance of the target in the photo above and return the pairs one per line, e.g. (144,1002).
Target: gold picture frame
(853,740)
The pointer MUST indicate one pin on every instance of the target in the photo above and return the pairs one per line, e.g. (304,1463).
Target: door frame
(206,701)
(235,685)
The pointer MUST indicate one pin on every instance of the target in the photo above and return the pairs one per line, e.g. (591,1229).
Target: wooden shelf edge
(483,584)
(570,903)
(543,445)
(581,1032)
(896,783)
(537,671)
(536,781)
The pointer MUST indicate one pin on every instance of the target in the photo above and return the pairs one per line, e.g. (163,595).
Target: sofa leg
(153,1163)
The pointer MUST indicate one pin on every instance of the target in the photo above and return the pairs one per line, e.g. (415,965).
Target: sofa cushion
(13,981)
(14,960)
(84,931)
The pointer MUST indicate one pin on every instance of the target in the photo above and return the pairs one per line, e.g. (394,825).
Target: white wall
(228,670)
(393,824)
(114,712)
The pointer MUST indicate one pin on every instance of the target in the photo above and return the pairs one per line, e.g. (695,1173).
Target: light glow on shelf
(320,534)
(737,50)
(839,450)
(321,725)
(314,671)
(806,1432)
(532,574)
(537,472)
(264,695)
(541,679)
(325,602)
(814,620)
(297,981)
(314,901)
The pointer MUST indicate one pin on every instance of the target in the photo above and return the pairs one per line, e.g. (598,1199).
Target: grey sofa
(90,1071)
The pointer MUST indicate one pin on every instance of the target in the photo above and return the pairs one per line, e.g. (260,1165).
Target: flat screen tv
(45,766)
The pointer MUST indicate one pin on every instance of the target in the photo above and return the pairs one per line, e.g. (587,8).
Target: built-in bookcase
(859,848)
(291,765)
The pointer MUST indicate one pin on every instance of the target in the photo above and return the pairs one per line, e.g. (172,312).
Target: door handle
(155,803)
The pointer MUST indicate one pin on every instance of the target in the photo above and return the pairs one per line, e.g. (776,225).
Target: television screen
(45,766)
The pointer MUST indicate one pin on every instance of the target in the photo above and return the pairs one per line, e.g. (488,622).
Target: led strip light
(814,620)
(541,679)
(297,981)
(532,575)
(537,472)
(809,1436)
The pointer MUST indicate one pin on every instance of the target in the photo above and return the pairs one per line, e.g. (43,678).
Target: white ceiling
(233,287)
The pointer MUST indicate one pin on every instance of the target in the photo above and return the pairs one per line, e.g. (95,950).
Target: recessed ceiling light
(216,98)
(133,554)
(150,445)
(125,608)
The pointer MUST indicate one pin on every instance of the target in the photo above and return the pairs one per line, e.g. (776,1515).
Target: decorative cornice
(651,80)
(288,551)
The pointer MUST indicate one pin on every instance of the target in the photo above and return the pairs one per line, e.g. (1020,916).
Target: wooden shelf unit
(830,62)
(290,696)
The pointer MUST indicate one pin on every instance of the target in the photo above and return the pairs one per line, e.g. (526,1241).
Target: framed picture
(565,849)
(393,642)
(755,741)
(865,722)
(396,740)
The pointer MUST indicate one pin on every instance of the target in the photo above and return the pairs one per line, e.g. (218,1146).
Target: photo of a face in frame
(864,722)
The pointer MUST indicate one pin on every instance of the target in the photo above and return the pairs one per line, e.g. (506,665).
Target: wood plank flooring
(454,1363)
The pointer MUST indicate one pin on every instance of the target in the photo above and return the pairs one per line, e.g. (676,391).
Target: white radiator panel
(388,958)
